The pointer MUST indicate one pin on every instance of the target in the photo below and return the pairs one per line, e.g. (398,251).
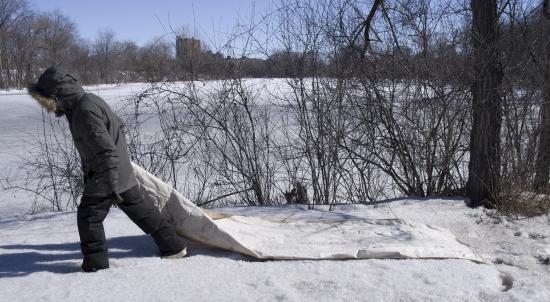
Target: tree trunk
(484,165)
(542,165)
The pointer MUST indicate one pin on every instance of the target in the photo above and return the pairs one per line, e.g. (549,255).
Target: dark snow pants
(93,210)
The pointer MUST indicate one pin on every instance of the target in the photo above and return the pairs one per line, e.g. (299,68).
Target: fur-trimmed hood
(56,90)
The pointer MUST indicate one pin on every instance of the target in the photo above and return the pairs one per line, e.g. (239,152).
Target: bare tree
(542,166)
(56,34)
(128,61)
(24,44)
(238,129)
(155,62)
(51,168)
(484,166)
(11,12)
(406,111)
(104,51)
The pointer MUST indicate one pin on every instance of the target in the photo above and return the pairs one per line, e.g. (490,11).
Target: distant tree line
(31,41)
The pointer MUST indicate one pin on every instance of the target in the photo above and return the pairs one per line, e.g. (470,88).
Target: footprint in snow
(543,256)
(507,281)
(536,236)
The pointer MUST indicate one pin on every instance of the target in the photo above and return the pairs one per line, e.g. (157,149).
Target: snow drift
(343,238)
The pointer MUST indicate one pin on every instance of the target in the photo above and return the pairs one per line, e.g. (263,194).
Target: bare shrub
(51,168)
(518,203)
(219,134)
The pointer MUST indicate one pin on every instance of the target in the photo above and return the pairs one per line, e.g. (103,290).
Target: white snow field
(40,255)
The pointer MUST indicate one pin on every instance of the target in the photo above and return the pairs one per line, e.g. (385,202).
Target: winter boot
(92,269)
(177,255)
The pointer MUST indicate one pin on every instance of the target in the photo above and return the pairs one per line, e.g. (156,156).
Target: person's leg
(149,219)
(91,213)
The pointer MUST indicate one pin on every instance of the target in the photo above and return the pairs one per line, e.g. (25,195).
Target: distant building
(187,48)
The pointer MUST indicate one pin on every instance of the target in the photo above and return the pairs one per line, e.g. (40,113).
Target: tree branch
(223,196)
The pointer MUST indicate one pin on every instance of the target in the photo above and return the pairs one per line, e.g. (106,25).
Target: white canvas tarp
(349,238)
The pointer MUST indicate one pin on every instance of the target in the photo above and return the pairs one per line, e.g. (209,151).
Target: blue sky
(142,21)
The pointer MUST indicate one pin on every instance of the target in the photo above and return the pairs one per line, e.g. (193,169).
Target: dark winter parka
(96,131)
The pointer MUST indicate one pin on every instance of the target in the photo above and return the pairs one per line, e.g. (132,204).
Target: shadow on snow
(65,258)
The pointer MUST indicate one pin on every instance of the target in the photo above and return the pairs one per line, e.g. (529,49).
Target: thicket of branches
(379,99)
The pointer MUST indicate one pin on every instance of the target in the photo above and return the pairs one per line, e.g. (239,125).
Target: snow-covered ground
(39,260)
(40,256)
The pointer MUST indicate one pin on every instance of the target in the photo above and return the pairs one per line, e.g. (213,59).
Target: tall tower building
(187,48)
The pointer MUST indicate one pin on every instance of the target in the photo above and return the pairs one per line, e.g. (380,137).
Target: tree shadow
(64,258)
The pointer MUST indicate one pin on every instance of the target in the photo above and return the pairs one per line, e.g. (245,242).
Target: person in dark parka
(108,174)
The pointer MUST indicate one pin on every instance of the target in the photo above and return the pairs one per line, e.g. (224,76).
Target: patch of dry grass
(523,203)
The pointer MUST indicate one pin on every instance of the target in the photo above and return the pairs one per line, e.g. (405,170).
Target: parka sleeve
(93,129)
